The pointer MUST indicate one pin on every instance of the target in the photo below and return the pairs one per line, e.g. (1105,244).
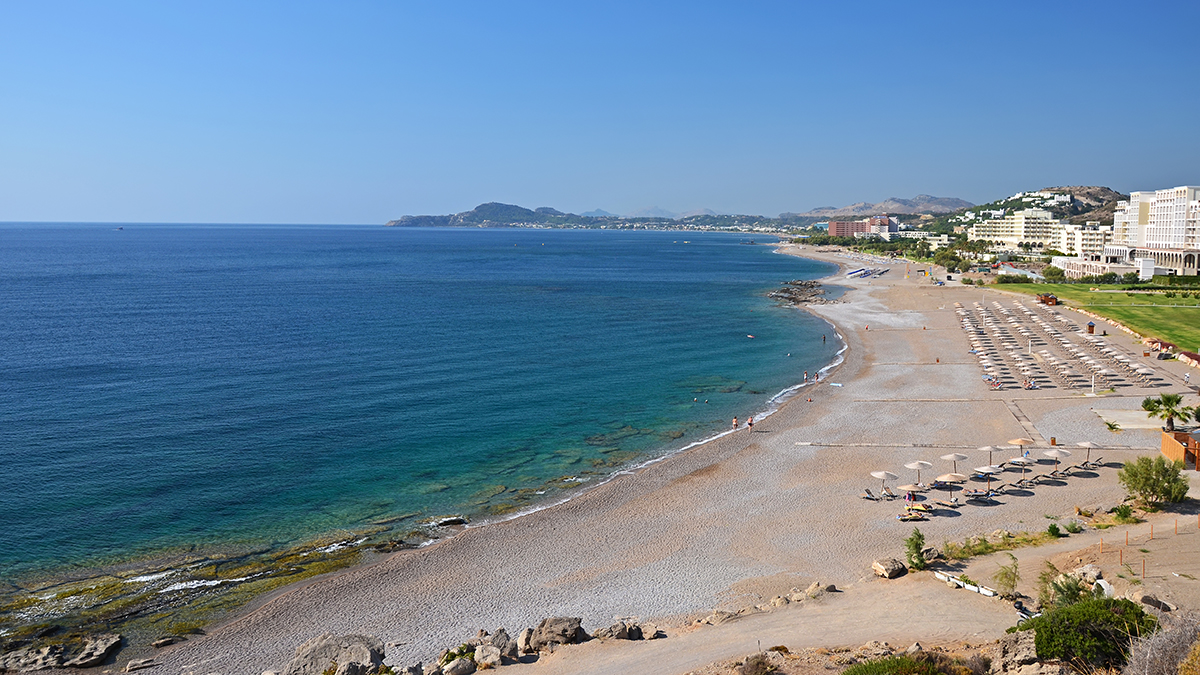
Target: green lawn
(1175,319)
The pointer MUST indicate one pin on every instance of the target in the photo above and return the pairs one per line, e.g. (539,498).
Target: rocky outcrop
(800,293)
(557,631)
(619,631)
(888,568)
(96,649)
(353,654)
(459,667)
(1150,600)
(1014,652)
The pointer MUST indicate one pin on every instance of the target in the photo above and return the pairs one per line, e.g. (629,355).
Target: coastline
(740,516)
(332,554)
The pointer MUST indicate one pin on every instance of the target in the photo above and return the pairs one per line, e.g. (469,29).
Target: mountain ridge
(922,203)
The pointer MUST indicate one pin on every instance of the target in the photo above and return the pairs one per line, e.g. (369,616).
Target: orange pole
(1151,531)
(1122,556)
(1102,544)
(1143,568)
(1126,537)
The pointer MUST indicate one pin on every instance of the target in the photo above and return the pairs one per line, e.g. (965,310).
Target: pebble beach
(734,521)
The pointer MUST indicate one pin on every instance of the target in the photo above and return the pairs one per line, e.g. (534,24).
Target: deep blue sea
(168,386)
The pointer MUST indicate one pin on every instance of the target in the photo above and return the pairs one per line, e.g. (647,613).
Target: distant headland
(495,214)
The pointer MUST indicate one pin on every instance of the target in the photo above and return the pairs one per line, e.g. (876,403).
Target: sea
(190,410)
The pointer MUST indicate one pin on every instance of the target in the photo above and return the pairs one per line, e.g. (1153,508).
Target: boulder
(931,553)
(649,631)
(417,669)
(1088,574)
(459,667)
(139,664)
(523,642)
(433,669)
(167,641)
(32,659)
(889,568)
(1015,651)
(914,648)
(506,645)
(1149,599)
(620,631)
(353,654)
(487,656)
(557,631)
(96,649)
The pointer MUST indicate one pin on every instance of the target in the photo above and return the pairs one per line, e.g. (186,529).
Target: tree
(1054,274)
(1167,407)
(1154,480)
(1130,278)
(1093,631)
(914,547)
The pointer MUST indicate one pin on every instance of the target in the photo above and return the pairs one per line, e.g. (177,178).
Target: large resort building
(1153,232)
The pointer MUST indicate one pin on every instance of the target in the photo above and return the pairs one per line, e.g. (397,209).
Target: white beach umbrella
(1057,454)
(954,457)
(917,466)
(988,471)
(884,476)
(1089,445)
(989,449)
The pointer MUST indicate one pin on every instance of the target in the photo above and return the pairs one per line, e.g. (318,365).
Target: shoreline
(350,542)
(740,517)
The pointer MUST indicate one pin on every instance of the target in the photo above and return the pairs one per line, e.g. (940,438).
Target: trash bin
(1053,440)
(1091,326)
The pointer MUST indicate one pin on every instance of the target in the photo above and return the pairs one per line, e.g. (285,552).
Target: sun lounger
(887,492)
(974,493)
(999,488)
(1093,464)
(923,508)
(949,505)
(867,495)
(909,516)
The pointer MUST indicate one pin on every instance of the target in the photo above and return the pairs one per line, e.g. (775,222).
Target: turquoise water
(253,386)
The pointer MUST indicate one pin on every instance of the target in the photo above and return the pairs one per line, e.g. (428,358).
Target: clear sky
(358,112)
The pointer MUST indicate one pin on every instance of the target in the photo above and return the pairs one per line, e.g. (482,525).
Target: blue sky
(360,112)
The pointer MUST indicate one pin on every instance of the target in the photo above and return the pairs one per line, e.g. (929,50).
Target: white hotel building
(1035,227)
(1163,225)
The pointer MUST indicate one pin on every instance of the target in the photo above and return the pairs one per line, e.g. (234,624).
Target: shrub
(464,651)
(757,665)
(1154,480)
(1045,585)
(1094,632)
(1007,576)
(1054,532)
(1074,527)
(1165,652)
(1191,664)
(893,665)
(913,547)
(922,663)
(1123,514)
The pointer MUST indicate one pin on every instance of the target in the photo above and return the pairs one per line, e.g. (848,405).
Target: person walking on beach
(735,424)
(806,376)
(750,423)
(1187,378)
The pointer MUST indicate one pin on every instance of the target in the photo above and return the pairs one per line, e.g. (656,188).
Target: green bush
(1007,576)
(913,547)
(1094,632)
(1054,532)
(1074,527)
(1154,480)
(892,665)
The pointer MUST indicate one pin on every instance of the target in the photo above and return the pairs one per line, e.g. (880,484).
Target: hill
(1074,203)
(893,205)
(495,214)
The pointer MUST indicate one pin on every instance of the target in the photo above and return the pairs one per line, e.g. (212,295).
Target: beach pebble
(169,640)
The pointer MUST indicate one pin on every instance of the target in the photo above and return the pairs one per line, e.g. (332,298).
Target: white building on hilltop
(1033,227)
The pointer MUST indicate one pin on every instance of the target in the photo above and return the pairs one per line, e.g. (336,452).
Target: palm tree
(1167,407)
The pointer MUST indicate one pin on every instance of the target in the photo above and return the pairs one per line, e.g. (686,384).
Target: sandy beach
(738,520)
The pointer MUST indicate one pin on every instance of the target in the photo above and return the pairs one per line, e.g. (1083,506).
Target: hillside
(1074,203)
(495,214)
(893,205)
